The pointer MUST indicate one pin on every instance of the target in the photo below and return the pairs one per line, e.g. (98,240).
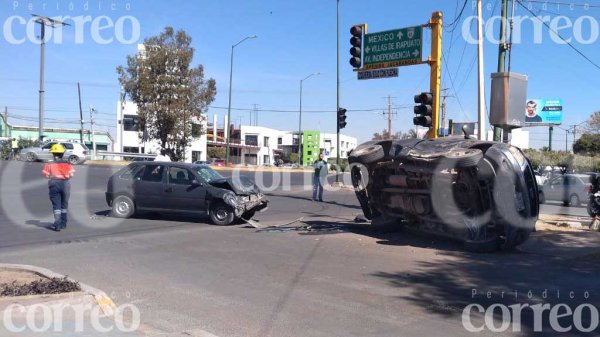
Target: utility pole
(255,110)
(389,114)
(502,48)
(5,121)
(480,80)
(93,135)
(337,90)
(444,96)
(80,114)
(43,21)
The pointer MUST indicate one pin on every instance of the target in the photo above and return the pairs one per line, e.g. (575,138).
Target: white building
(130,140)
(329,145)
(264,145)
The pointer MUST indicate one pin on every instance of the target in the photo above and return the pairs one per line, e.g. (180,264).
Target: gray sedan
(571,189)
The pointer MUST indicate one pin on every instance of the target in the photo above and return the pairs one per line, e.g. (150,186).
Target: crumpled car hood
(240,186)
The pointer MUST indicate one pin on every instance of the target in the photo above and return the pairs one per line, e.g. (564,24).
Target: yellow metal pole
(435,63)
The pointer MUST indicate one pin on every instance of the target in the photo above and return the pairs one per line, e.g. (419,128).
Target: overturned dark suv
(180,187)
(482,193)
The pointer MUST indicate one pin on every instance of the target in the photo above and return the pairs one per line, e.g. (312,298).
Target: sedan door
(148,187)
(553,190)
(183,191)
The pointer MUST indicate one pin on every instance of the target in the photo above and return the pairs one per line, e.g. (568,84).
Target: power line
(453,86)
(457,17)
(556,33)
(585,5)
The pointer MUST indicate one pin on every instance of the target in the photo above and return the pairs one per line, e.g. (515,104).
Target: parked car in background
(571,189)
(182,187)
(75,153)
(202,162)
(540,179)
(219,162)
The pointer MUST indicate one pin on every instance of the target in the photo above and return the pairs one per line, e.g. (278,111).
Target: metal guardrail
(123,154)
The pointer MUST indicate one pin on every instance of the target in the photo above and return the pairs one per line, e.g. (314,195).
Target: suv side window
(153,173)
(48,146)
(180,176)
(68,146)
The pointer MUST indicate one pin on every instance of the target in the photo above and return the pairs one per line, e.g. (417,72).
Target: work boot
(63,219)
(57,225)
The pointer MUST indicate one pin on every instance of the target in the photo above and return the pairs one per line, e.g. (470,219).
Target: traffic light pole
(435,80)
(337,61)
(502,47)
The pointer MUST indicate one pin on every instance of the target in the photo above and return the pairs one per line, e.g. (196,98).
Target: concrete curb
(100,297)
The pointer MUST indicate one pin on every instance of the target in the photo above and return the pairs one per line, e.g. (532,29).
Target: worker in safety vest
(59,173)
(14,147)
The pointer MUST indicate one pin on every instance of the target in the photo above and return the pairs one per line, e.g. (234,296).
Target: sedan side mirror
(196,183)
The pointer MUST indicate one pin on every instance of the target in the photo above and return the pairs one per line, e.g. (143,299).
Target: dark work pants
(59,196)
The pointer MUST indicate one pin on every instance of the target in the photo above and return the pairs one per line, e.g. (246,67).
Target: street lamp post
(300,120)
(43,21)
(229,105)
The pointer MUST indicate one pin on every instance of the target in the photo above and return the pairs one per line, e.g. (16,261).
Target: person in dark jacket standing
(59,174)
(320,166)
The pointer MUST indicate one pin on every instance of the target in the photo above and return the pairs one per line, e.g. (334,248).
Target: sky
(294,40)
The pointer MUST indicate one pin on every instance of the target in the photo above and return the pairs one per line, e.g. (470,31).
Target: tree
(593,123)
(293,157)
(216,152)
(170,94)
(587,144)
(398,135)
(381,136)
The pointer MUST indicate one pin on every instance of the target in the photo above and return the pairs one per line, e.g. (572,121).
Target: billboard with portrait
(544,111)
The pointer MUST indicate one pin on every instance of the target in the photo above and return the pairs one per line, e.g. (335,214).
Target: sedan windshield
(207,173)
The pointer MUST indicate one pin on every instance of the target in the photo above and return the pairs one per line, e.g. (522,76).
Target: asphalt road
(324,276)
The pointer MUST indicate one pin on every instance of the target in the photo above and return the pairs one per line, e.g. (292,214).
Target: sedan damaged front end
(481,193)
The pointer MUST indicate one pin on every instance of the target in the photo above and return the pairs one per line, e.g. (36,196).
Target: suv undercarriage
(481,193)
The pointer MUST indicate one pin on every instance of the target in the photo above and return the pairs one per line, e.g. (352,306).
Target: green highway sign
(393,48)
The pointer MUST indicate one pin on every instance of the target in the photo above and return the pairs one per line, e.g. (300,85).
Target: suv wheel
(221,214)
(464,158)
(73,160)
(123,207)
(574,200)
(30,156)
(368,155)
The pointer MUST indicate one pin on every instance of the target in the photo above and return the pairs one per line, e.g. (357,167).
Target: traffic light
(341,118)
(356,42)
(424,109)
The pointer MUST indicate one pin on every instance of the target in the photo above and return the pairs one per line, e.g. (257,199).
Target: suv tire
(369,154)
(30,156)
(74,160)
(464,158)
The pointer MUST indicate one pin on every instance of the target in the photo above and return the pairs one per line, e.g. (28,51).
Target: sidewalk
(89,312)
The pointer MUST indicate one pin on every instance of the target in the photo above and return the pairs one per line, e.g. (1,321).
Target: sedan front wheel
(222,214)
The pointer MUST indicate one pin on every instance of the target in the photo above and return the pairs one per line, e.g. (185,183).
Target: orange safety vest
(58,170)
